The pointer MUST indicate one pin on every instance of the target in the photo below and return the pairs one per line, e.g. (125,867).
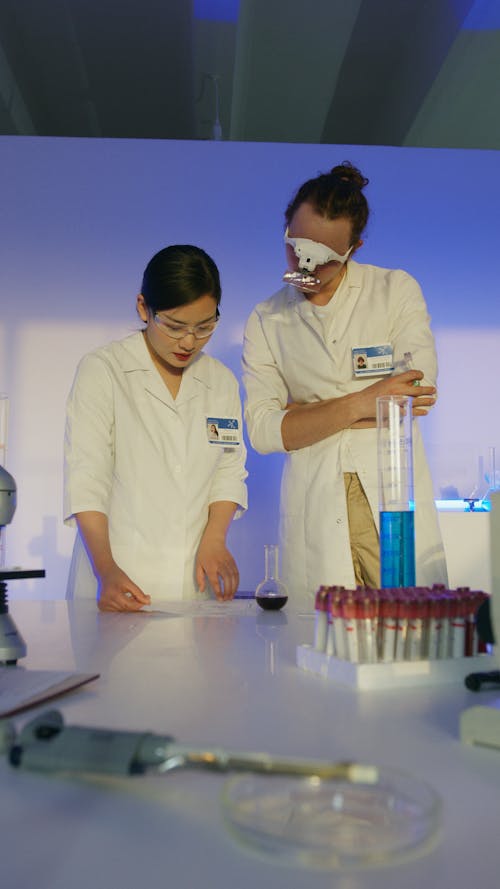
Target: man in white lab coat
(316,356)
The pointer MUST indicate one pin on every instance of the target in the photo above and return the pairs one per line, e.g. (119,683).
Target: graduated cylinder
(396,499)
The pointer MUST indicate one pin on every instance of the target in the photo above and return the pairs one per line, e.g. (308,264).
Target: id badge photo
(223,431)
(372,361)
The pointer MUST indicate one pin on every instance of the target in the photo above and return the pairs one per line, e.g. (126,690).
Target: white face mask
(310,254)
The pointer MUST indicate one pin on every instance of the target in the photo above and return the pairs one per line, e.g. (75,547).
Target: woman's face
(177,353)
(335,233)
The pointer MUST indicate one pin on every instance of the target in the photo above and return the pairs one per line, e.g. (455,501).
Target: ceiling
(370,72)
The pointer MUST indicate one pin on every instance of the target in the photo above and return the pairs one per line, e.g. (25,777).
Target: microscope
(12,644)
(481,724)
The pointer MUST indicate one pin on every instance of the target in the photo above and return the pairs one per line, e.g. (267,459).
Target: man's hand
(421,404)
(403,384)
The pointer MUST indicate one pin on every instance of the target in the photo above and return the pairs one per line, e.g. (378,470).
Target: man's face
(336,234)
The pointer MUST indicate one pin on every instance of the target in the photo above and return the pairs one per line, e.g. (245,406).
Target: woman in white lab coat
(151,492)
(316,356)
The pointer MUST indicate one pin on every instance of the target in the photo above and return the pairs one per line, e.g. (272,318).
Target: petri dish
(333,823)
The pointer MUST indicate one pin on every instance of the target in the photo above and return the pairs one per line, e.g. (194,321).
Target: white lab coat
(288,358)
(143,458)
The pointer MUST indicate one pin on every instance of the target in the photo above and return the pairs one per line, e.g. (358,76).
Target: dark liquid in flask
(271,603)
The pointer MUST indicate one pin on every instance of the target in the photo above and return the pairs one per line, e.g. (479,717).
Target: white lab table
(228,680)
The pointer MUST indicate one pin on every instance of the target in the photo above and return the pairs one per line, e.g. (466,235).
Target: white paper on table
(203,608)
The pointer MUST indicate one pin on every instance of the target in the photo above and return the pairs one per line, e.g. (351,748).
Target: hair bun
(348,173)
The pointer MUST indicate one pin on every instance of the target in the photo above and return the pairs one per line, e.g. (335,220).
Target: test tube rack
(369,639)
(397,674)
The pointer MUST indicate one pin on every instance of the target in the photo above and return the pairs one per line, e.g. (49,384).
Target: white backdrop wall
(81,218)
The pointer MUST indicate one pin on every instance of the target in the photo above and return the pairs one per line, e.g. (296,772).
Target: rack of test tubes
(381,637)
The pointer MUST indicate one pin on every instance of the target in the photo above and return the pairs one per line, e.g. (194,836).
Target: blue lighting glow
(217,10)
(483,16)
(463,506)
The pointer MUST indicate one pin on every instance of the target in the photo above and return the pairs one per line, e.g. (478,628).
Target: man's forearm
(305,424)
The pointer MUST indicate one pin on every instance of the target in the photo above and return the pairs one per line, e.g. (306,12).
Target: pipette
(45,744)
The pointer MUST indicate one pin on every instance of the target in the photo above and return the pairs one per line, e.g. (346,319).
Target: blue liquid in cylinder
(397,549)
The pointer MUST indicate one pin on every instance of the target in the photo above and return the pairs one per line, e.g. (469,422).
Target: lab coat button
(339,521)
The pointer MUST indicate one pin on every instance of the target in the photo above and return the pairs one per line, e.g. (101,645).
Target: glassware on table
(332,823)
(396,498)
(271,594)
(269,626)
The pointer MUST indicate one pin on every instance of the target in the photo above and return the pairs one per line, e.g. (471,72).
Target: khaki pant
(365,549)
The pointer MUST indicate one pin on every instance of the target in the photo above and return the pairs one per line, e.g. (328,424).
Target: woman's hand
(213,559)
(215,563)
(116,592)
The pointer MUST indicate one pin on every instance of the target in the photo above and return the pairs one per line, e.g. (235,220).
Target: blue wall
(80,219)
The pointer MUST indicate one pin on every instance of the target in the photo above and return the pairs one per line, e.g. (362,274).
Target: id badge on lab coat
(372,361)
(223,431)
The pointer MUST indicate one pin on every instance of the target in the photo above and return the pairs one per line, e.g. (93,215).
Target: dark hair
(337,194)
(179,275)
